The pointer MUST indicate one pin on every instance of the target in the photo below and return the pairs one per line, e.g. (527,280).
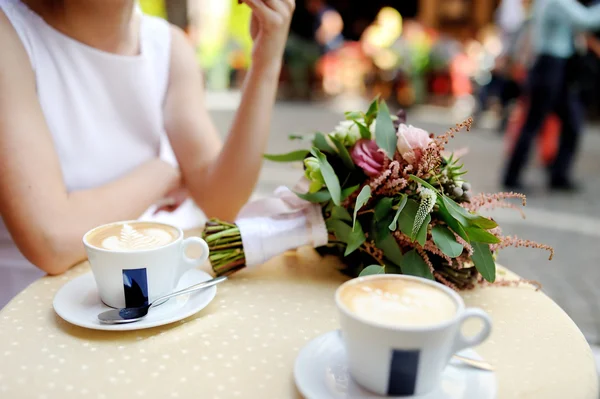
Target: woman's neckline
(90,48)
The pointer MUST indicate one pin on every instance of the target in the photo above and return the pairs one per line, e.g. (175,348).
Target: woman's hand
(172,200)
(269,28)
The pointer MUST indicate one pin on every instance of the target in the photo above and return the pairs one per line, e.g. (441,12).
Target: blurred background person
(511,17)
(316,30)
(551,88)
(328,25)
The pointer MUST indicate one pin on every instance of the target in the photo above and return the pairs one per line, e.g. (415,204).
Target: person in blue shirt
(551,89)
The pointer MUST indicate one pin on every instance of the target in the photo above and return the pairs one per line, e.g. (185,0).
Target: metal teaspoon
(130,315)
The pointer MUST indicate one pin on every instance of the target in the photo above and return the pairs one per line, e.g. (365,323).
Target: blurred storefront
(409,51)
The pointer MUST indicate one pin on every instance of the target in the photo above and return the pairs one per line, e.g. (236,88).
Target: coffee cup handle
(462,341)
(190,263)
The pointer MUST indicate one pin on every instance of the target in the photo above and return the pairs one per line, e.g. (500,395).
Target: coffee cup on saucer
(135,262)
(400,332)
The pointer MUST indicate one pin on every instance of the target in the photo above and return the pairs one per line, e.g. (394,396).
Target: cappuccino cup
(135,262)
(400,332)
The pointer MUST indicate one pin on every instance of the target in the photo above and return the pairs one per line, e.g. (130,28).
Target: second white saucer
(321,372)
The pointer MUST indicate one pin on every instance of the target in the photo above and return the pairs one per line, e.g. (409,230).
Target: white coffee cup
(135,277)
(396,359)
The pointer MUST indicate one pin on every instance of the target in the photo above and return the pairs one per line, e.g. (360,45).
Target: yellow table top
(243,345)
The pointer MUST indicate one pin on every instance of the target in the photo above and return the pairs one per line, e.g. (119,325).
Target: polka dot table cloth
(243,345)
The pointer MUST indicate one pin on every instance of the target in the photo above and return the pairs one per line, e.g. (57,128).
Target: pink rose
(367,156)
(411,142)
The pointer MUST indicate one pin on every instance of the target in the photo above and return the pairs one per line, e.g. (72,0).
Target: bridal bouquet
(382,195)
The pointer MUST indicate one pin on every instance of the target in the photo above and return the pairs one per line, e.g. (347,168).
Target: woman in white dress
(102,116)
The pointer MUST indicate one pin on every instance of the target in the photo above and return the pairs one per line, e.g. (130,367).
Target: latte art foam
(398,302)
(131,238)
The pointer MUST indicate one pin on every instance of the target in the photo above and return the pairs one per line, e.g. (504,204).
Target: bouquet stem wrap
(271,226)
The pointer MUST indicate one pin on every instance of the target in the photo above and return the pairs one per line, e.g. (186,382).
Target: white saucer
(321,372)
(78,303)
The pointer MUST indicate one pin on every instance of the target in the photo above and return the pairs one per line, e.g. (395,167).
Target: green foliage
(331,180)
(385,134)
(414,265)
(343,153)
(372,269)
(321,143)
(484,261)
(361,200)
(406,221)
(340,213)
(394,224)
(316,198)
(292,156)
(446,241)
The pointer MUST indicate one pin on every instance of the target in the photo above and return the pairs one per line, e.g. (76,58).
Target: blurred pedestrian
(551,87)
(510,18)
(307,42)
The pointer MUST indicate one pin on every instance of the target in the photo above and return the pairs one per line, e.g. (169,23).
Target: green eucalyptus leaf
(484,261)
(483,222)
(414,265)
(467,218)
(293,156)
(340,229)
(372,269)
(343,232)
(365,133)
(446,241)
(390,248)
(383,209)
(340,213)
(353,115)
(421,236)
(293,137)
(321,143)
(346,192)
(355,239)
(343,153)
(361,200)
(391,268)
(453,208)
(318,197)
(477,234)
(372,111)
(331,180)
(450,221)
(425,184)
(394,225)
(385,134)
(406,220)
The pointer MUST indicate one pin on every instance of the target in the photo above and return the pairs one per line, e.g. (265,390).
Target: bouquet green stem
(226,248)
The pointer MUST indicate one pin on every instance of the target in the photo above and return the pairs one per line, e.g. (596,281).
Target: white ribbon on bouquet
(273,225)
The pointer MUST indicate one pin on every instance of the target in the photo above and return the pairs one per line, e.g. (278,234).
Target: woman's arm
(581,17)
(220,177)
(45,221)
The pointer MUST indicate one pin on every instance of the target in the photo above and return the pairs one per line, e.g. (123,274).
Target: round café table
(243,345)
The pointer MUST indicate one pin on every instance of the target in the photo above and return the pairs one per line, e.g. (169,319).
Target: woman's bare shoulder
(14,55)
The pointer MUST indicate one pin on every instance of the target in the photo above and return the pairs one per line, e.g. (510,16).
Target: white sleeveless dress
(105,114)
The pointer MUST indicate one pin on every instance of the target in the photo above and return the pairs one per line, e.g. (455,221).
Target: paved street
(569,223)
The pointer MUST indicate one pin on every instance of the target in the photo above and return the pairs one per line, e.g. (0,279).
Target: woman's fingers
(260,8)
(279,6)
(291,4)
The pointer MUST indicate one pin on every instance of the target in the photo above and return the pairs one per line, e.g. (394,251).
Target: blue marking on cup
(135,287)
(403,372)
